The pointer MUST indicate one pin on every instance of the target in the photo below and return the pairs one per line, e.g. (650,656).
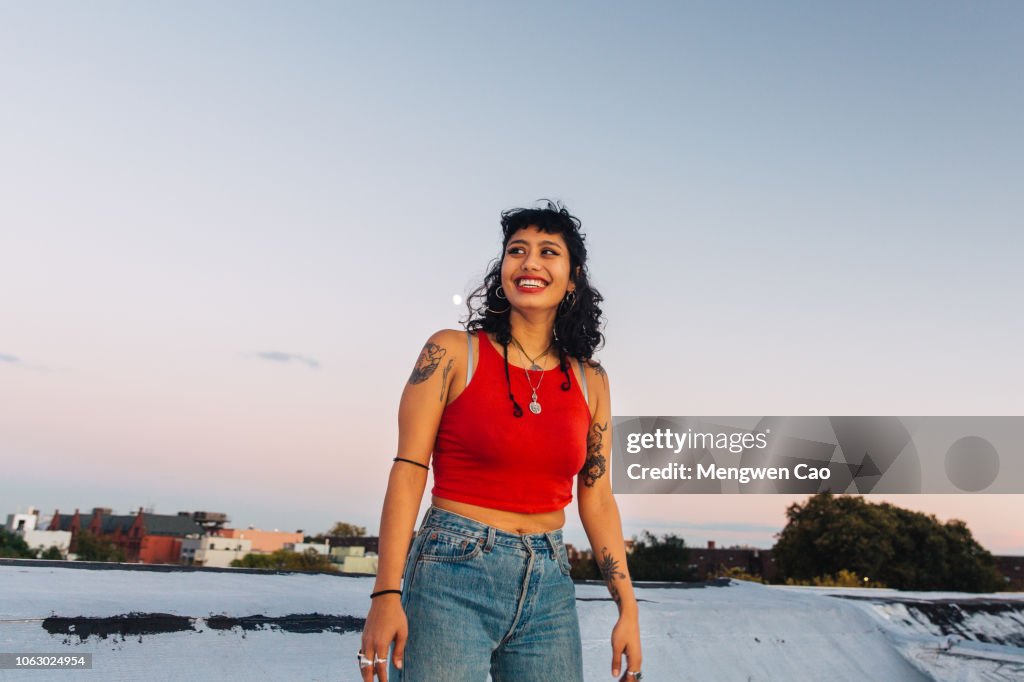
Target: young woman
(513,410)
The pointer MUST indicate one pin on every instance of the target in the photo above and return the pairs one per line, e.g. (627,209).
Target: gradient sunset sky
(226,230)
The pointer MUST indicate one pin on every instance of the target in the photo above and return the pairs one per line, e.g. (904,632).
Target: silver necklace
(534,403)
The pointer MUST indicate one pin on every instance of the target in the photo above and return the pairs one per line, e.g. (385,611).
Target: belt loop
(550,535)
(491,537)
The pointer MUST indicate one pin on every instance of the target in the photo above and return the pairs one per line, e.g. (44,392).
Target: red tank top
(486,456)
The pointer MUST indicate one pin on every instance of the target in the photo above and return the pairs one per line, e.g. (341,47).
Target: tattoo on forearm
(444,377)
(609,566)
(429,358)
(596,465)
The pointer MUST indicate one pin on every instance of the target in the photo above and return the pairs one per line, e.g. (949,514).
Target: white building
(26,524)
(301,547)
(354,559)
(360,564)
(213,550)
(22,522)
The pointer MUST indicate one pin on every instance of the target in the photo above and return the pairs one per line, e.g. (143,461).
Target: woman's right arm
(419,415)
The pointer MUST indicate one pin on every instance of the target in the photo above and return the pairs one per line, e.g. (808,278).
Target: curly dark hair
(578,322)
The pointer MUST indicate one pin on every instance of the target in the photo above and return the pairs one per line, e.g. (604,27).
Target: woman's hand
(385,623)
(626,640)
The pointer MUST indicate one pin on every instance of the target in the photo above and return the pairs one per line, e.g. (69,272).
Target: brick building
(145,538)
(263,541)
(1012,570)
(711,561)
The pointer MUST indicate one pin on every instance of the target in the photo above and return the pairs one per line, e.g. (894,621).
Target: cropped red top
(484,455)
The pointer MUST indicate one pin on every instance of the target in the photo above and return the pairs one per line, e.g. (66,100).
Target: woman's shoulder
(449,343)
(597,380)
(595,377)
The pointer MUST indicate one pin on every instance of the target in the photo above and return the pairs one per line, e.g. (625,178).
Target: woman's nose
(531,263)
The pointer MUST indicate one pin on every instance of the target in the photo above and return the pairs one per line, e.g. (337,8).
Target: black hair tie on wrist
(377,594)
(403,459)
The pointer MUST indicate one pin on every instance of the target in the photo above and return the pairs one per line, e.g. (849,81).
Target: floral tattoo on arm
(429,358)
(595,465)
(609,566)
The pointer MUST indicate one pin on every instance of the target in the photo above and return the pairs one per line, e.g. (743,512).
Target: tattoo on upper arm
(609,566)
(444,377)
(596,465)
(429,358)
(599,370)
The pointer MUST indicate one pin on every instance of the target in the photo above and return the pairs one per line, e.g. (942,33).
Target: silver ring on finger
(379,660)
(364,662)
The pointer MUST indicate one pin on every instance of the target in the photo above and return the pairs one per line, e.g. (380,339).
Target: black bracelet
(377,594)
(403,459)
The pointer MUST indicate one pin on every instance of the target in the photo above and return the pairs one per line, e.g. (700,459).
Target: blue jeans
(481,600)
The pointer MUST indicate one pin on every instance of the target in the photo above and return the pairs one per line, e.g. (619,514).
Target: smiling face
(535,269)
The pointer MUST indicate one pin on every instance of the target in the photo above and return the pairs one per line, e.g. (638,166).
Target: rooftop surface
(223,625)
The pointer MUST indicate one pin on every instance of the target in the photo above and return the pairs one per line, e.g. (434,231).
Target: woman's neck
(534,334)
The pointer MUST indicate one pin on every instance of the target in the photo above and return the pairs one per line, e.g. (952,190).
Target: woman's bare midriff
(513,522)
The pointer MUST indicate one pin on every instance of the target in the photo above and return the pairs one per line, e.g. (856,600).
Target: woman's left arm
(600,516)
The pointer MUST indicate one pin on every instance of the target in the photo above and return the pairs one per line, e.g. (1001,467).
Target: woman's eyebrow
(542,242)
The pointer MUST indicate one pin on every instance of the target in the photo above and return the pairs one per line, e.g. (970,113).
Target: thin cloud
(15,361)
(278,356)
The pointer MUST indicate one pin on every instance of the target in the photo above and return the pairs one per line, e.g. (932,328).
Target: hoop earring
(572,302)
(500,293)
(497,312)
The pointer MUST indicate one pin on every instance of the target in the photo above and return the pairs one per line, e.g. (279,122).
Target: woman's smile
(530,285)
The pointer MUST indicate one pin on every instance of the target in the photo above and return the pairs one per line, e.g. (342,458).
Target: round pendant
(535,407)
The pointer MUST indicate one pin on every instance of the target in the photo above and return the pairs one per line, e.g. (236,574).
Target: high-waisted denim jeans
(481,600)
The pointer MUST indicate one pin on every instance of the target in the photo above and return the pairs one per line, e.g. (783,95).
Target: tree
(338,530)
(90,547)
(666,558)
(13,546)
(52,552)
(843,579)
(882,542)
(736,573)
(347,530)
(287,560)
